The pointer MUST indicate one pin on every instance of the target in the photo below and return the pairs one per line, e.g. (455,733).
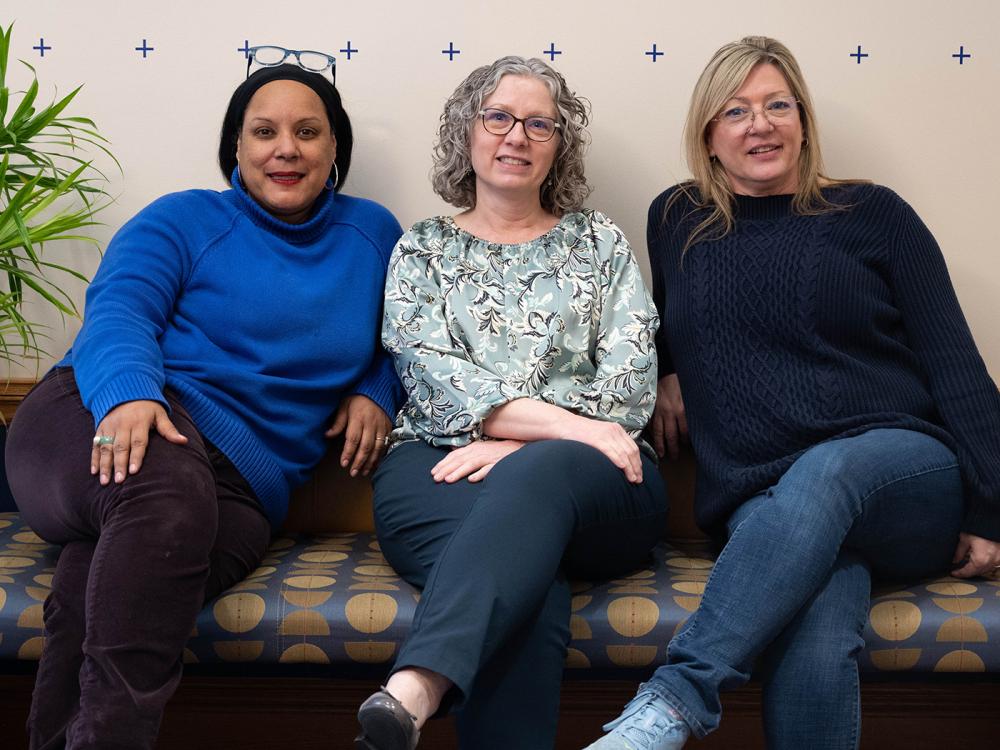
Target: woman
(844,423)
(523,335)
(220,334)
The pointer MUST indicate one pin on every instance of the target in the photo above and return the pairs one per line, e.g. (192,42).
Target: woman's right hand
(668,427)
(129,424)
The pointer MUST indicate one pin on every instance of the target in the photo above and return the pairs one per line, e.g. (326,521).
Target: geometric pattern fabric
(333,599)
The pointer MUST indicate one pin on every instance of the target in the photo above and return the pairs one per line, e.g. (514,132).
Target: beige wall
(908,116)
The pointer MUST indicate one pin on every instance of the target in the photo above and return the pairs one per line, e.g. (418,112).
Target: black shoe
(385,724)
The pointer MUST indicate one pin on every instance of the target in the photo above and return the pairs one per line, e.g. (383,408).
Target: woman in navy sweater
(844,422)
(225,337)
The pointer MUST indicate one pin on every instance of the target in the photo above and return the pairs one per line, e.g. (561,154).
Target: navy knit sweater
(793,330)
(259,326)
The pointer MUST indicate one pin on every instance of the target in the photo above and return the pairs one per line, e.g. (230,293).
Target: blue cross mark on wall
(451,51)
(351,50)
(552,51)
(961,54)
(654,54)
(41,47)
(144,49)
(859,54)
(245,49)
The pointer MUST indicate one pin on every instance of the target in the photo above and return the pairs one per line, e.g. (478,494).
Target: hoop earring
(331,182)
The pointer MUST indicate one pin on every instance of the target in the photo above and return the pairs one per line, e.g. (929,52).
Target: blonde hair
(452,177)
(719,81)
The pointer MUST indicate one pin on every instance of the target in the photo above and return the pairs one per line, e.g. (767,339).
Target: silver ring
(104,439)
(384,439)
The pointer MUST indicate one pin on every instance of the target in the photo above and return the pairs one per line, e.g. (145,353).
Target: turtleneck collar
(750,208)
(297,234)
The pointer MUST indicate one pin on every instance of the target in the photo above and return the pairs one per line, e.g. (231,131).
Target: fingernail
(104,478)
(93,469)
(119,477)
(354,472)
(132,468)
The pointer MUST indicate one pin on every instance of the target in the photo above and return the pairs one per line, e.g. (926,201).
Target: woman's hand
(981,556)
(128,426)
(668,427)
(365,427)
(612,440)
(473,460)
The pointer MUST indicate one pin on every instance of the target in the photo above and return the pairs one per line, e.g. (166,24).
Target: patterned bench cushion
(332,599)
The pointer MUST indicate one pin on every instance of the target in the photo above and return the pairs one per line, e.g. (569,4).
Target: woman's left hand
(982,556)
(473,460)
(365,427)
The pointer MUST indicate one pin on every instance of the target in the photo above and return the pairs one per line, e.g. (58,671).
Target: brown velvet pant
(139,560)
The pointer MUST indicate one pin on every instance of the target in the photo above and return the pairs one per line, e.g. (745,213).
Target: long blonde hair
(719,81)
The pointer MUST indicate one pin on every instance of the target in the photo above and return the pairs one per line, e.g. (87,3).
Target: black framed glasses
(536,127)
(269,56)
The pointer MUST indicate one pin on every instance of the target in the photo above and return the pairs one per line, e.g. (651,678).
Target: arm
(116,357)
(449,393)
(622,388)
(964,394)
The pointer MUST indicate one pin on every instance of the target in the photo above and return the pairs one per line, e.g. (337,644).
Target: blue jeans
(793,583)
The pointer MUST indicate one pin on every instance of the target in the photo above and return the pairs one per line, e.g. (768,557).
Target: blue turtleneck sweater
(259,326)
(792,330)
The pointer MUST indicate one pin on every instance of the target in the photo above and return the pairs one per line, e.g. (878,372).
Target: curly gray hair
(566,188)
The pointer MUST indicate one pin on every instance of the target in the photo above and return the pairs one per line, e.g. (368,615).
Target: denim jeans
(493,558)
(139,560)
(793,583)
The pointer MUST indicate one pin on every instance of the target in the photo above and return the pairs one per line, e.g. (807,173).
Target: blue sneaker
(647,723)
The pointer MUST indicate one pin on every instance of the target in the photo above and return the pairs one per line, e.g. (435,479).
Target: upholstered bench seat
(332,599)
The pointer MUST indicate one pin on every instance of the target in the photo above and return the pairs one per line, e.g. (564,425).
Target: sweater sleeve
(451,394)
(380,382)
(116,356)
(623,388)
(656,247)
(964,393)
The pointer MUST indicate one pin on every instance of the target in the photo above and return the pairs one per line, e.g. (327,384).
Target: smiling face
(285,149)
(761,158)
(512,164)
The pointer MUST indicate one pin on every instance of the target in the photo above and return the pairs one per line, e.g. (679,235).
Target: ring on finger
(104,440)
(383,439)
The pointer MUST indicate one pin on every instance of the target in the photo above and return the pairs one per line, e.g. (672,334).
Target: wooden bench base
(310,713)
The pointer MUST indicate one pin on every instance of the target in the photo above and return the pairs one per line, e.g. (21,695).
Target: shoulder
(187,219)
(868,203)
(372,220)
(430,234)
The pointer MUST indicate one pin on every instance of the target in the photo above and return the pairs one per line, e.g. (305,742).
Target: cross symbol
(144,49)
(350,49)
(451,51)
(245,49)
(41,47)
(859,54)
(654,54)
(961,54)
(552,51)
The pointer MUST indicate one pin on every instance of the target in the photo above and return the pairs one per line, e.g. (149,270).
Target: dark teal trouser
(493,560)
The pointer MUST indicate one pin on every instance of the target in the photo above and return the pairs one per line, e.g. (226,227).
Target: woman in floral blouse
(523,335)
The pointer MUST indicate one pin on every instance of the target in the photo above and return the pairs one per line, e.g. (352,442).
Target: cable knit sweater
(793,330)
(259,326)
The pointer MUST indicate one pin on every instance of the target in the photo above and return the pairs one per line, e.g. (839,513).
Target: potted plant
(49,192)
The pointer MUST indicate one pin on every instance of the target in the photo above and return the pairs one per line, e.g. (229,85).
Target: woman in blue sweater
(844,422)
(225,337)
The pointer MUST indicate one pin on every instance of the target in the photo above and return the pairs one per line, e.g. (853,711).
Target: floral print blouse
(472,325)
